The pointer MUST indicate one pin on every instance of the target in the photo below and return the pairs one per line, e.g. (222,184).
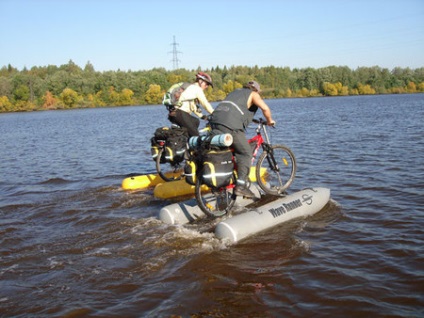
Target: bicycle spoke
(281,168)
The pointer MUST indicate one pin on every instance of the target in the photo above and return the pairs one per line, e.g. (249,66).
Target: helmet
(204,76)
(254,86)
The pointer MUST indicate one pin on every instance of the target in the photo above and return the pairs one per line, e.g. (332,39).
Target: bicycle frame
(259,139)
(259,142)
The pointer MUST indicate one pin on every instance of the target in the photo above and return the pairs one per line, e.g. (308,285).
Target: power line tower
(174,52)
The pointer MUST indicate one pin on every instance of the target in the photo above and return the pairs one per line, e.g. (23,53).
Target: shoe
(243,191)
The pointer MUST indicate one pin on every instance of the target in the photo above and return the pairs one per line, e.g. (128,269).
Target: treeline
(70,86)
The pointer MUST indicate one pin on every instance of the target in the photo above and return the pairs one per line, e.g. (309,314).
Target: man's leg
(243,154)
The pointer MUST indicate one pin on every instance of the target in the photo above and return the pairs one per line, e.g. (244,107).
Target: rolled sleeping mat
(188,211)
(298,204)
(222,140)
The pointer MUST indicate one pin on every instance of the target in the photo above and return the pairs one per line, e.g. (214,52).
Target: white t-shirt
(188,97)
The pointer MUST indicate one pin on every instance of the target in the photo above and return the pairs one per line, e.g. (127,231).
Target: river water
(74,244)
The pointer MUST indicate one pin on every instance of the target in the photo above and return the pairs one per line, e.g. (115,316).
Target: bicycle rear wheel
(162,168)
(280,165)
(214,202)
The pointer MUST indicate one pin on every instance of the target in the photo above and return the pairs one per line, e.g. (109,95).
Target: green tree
(21,93)
(5,87)
(89,68)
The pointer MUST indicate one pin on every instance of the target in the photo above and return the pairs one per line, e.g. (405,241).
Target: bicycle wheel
(280,165)
(214,202)
(162,167)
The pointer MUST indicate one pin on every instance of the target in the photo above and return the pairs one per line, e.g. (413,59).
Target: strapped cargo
(173,140)
(218,168)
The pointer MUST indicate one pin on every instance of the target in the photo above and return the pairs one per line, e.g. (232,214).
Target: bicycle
(278,160)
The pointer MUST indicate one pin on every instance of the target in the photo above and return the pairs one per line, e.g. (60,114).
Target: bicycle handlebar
(262,122)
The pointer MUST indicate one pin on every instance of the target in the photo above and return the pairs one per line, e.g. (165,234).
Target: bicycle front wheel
(162,168)
(280,165)
(214,202)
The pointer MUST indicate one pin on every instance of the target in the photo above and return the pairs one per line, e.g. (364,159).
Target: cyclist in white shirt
(188,104)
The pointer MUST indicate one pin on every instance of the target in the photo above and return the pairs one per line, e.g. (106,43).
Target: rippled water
(74,244)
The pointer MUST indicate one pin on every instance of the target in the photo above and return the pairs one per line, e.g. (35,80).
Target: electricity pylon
(174,52)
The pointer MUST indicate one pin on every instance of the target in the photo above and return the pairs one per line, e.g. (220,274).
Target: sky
(139,35)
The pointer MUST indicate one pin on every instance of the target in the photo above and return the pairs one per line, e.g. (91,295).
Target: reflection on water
(73,243)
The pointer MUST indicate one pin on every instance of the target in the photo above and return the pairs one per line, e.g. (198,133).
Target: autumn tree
(230,86)
(126,97)
(365,89)
(113,96)
(411,87)
(329,89)
(95,100)
(49,101)
(154,94)
(341,89)
(70,98)
(5,104)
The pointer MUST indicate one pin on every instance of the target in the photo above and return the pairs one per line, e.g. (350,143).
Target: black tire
(280,165)
(214,202)
(163,167)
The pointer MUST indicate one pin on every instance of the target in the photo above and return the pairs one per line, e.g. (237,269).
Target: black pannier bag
(176,145)
(158,141)
(162,133)
(173,140)
(217,168)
